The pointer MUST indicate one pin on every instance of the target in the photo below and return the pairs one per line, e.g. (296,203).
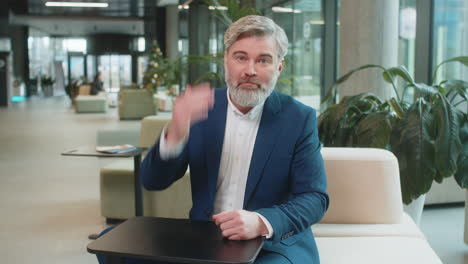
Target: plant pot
(415,208)
(47,90)
(466,216)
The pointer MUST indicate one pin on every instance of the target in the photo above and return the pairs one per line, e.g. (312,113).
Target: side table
(90,151)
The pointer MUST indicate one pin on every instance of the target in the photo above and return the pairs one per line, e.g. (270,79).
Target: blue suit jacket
(286,181)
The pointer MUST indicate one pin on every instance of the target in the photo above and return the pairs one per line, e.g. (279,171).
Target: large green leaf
(373,131)
(328,122)
(331,91)
(462,59)
(447,141)
(336,123)
(412,145)
(391,73)
(400,112)
(461,176)
(455,88)
(423,89)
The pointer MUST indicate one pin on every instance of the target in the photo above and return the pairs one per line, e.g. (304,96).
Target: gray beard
(250,98)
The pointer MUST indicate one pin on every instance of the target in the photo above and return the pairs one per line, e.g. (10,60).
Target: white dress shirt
(239,140)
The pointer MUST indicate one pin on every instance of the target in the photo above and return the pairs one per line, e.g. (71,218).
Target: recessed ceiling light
(280,9)
(77,4)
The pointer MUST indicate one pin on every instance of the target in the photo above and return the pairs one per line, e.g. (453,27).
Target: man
(254,155)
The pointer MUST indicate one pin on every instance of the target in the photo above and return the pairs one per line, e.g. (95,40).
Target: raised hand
(240,224)
(190,107)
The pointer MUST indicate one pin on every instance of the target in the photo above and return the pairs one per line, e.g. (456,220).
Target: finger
(234,237)
(229,224)
(224,216)
(232,231)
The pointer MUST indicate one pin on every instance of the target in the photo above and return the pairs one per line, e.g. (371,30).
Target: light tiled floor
(50,203)
(443,227)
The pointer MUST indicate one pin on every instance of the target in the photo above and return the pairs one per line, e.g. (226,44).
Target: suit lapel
(214,139)
(267,135)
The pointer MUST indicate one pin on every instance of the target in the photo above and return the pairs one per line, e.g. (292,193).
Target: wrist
(263,229)
(175,134)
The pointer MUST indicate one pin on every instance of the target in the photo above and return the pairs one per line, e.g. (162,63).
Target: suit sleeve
(157,173)
(308,199)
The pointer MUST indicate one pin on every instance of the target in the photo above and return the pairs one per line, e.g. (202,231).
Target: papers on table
(115,149)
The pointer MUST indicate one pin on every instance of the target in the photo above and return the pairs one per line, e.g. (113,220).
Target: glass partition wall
(303,22)
(115,70)
(45,53)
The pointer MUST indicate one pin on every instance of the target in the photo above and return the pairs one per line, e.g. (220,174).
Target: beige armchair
(117,184)
(136,104)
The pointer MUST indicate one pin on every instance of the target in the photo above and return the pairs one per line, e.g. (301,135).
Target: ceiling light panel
(77,4)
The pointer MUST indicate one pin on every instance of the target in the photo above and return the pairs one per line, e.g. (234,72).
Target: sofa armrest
(151,128)
(364,186)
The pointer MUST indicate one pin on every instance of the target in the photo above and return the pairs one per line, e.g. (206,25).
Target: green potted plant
(47,85)
(424,126)
(159,70)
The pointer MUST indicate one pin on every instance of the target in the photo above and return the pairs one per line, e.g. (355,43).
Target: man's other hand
(190,107)
(240,225)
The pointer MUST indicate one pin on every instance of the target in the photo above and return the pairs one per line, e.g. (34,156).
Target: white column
(368,35)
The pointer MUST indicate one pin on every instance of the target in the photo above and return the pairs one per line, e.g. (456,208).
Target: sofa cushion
(364,186)
(406,227)
(371,250)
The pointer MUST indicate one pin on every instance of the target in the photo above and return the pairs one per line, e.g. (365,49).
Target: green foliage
(47,80)
(232,11)
(207,59)
(160,70)
(429,135)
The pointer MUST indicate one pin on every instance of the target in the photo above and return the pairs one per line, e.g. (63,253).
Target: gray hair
(257,26)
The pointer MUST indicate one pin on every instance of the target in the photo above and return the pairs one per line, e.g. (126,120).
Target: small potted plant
(47,85)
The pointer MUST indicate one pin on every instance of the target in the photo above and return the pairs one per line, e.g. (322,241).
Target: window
(407,34)
(450,37)
(303,23)
(75,45)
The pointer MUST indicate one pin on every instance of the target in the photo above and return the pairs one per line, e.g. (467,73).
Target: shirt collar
(252,114)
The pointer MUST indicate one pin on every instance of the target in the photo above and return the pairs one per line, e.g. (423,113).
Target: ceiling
(78,26)
(116,8)
(121,17)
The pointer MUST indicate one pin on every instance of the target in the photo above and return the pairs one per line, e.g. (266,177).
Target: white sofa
(365,222)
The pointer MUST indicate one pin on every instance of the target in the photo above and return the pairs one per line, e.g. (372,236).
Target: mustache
(248,80)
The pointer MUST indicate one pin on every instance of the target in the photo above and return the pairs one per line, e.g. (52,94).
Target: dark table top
(176,241)
(91,151)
